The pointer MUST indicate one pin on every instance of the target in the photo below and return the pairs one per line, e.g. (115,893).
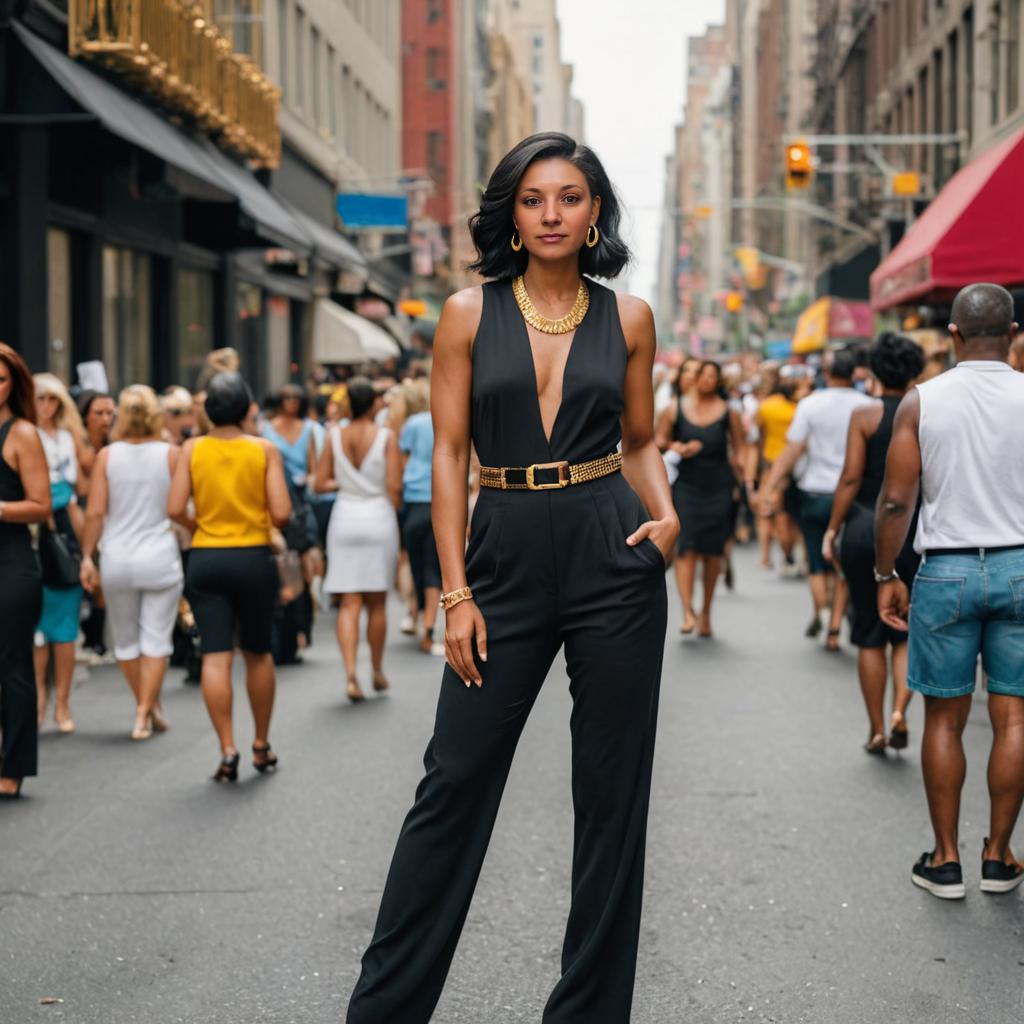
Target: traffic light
(799,165)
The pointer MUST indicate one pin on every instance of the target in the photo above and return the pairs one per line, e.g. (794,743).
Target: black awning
(130,120)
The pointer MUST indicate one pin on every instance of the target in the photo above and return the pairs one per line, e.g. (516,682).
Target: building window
(300,63)
(127,317)
(347,120)
(435,11)
(1013,55)
(435,69)
(996,50)
(195,323)
(58,288)
(316,86)
(436,164)
(241,21)
(283,49)
(332,93)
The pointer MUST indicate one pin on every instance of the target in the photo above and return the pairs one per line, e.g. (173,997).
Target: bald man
(959,440)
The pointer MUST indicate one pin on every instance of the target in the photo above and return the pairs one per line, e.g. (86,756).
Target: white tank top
(972,458)
(138,548)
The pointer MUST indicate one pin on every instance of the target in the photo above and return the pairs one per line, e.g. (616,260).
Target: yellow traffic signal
(799,165)
(734,301)
(905,183)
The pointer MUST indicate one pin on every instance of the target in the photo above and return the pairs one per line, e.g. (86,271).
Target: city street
(132,889)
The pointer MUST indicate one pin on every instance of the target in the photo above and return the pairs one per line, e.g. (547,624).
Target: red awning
(972,231)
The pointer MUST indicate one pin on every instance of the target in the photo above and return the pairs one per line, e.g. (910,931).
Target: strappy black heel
(264,758)
(227,770)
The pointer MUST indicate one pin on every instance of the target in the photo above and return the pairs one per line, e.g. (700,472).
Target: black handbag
(59,559)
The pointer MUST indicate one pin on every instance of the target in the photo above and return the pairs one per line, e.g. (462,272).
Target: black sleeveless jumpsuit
(21,602)
(547,568)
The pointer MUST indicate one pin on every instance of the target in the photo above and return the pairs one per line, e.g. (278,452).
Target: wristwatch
(879,578)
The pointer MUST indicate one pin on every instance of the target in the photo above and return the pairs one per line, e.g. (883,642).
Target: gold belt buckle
(546,487)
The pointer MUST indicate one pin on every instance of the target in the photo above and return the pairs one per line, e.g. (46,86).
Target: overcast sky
(629,59)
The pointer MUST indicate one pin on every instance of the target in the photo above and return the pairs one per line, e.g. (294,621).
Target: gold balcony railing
(172,50)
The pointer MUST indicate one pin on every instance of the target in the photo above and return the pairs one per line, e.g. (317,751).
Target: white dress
(362,536)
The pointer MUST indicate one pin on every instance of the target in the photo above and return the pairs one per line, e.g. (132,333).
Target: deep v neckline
(539,412)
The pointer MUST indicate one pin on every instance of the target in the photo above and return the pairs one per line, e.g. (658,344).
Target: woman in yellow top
(238,486)
(774,416)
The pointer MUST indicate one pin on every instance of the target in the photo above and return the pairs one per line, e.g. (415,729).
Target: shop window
(127,317)
(195,323)
(58,288)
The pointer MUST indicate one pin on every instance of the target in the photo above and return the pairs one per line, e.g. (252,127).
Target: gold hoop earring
(597,236)
(517,241)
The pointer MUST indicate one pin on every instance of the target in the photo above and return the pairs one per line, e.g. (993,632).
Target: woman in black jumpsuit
(547,568)
(24,498)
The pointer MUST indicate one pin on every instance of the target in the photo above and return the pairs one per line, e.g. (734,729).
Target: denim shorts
(963,606)
(815,512)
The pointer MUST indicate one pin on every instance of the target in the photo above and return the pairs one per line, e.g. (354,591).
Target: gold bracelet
(454,597)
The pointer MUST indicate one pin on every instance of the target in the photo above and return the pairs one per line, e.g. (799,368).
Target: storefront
(127,240)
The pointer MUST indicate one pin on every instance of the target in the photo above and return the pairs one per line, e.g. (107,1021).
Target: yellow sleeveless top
(777,414)
(229,485)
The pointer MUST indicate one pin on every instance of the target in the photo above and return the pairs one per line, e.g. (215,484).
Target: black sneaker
(996,876)
(945,881)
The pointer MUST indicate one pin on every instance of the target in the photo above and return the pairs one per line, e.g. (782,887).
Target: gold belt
(548,476)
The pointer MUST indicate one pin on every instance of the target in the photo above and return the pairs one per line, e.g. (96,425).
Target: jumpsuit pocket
(935,603)
(617,523)
(482,552)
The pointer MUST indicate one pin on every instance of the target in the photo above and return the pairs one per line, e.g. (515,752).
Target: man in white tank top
(958,439)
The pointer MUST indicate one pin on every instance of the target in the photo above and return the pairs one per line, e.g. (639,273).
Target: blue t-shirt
(417,438)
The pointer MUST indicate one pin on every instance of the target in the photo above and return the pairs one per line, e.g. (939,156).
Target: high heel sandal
(875,745)
(354,691)
(227,770)
(832,641)
(380,683)
(899,736)
(15,795)
(264,759)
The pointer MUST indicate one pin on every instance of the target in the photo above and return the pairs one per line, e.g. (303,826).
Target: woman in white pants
(141,565)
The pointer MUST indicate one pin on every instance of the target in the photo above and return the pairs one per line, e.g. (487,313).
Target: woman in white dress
(141,564)
(361,463)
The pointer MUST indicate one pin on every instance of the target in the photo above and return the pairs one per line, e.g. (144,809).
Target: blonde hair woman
(60,430)
(142,575)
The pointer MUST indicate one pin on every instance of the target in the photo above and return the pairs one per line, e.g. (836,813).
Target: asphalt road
(778,880)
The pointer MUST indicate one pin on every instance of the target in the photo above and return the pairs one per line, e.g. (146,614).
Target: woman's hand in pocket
(663,532)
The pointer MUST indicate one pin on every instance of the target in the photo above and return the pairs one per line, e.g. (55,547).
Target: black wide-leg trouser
(548,569)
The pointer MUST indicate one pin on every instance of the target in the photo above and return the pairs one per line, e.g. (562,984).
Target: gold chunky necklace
(535,319)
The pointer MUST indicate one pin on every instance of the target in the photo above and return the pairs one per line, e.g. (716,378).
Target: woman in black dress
(544,371)
(24,498)
(896,363)
(708,436)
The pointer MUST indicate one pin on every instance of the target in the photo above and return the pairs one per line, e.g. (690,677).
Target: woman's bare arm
(279,502)
(450,390)
(28,460)
(393,470)
(181,486)
(863,423)
(96,510)
(642,465)
(324,481)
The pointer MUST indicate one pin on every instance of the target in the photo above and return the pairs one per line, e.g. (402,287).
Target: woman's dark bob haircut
(492,227)
(227,400)
(895,360)
(361,396)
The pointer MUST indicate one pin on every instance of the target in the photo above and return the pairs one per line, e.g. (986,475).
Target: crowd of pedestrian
(148,528)
(206,518)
